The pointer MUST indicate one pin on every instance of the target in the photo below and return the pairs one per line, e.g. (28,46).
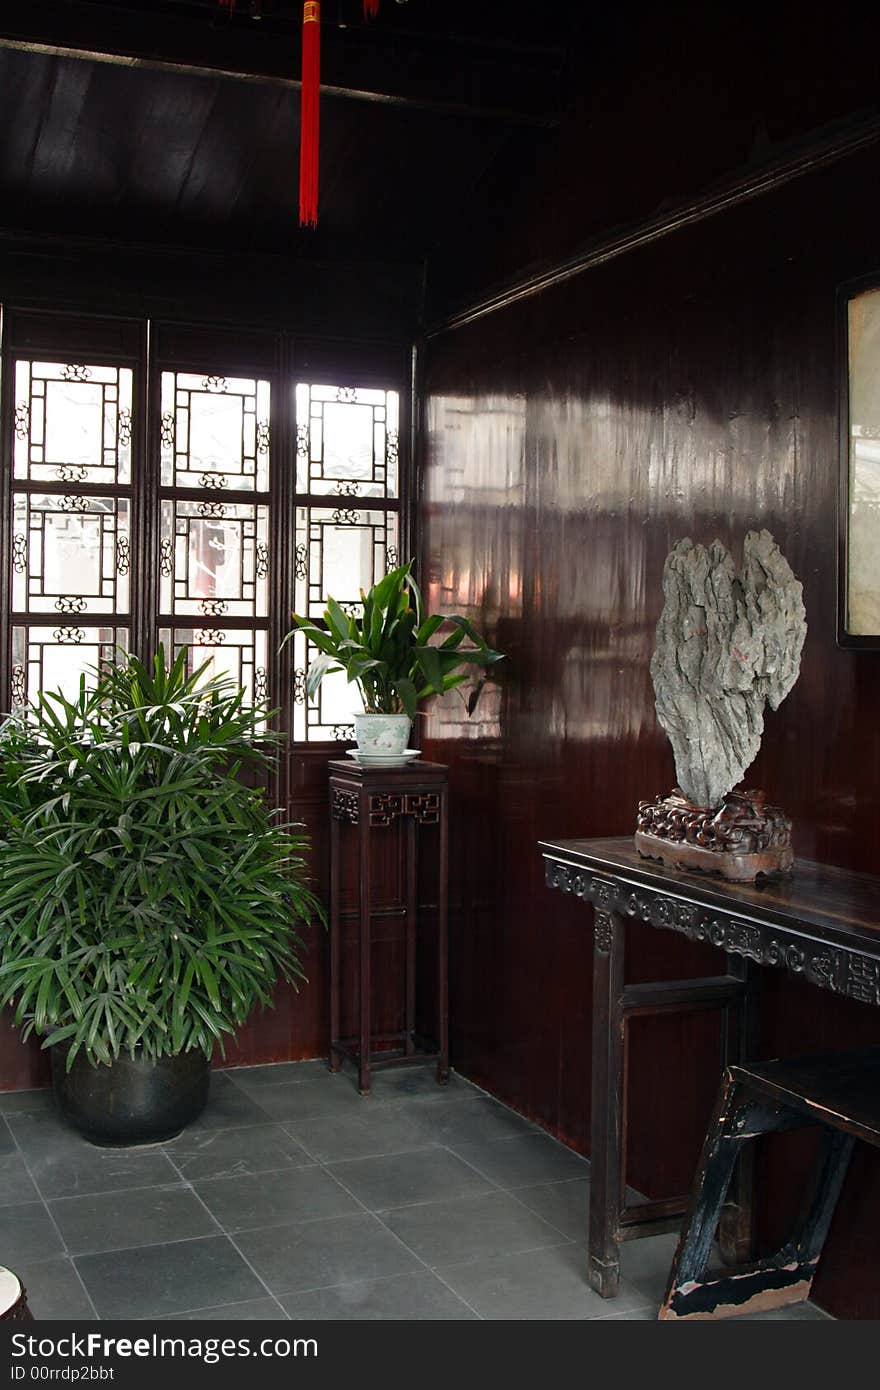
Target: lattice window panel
(239,653)
(71,548)
(331,715)
(347,438)
(54,658)
(344,550)
(71,554)
(78,586)
(214,560)
(347,529)
(215,432)
(72,423)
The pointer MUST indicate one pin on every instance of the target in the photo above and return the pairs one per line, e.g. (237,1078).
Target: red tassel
(371,8)
(310,122)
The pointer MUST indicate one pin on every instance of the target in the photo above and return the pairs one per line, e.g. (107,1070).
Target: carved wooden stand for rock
(727,644)
(744,839)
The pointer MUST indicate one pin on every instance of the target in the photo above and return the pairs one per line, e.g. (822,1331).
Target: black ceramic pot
(131,1101)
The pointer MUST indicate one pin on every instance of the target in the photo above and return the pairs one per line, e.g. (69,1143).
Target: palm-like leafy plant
(147,896)
(387,651)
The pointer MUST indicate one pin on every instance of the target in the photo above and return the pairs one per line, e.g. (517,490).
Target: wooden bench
(840,1093)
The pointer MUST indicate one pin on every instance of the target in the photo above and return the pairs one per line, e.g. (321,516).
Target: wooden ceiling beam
(356,64)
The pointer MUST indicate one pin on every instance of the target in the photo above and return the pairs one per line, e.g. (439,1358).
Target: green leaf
(429,662)
(338,620)
(407,693)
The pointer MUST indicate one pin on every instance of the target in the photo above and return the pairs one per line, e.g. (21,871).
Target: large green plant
(147,896)
(387,651)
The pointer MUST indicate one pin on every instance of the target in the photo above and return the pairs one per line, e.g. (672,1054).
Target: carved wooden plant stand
(387,801)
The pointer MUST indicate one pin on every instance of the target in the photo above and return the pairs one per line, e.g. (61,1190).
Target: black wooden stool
(839,1092)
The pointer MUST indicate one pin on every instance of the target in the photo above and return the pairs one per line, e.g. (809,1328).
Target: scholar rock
(727,644)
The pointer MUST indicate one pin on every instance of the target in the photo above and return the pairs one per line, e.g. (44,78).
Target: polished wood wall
(661,103)
(686,389)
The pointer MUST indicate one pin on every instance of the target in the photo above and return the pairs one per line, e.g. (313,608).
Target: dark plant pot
(133,1100)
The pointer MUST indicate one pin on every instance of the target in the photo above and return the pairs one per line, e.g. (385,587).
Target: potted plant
(148,897)
(388,653)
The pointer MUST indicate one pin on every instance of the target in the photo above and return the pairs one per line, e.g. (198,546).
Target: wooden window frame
(150,347)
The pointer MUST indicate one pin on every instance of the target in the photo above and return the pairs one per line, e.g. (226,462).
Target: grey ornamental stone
(727,644)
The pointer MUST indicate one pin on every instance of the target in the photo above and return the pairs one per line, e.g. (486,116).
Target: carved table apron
(822,924)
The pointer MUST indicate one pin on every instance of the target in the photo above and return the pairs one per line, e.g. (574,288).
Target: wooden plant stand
(381,801)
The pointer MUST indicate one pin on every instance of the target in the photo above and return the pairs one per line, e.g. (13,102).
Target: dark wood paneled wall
(666,100)
(688,389)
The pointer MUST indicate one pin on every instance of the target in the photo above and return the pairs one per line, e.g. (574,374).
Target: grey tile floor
(295,1197)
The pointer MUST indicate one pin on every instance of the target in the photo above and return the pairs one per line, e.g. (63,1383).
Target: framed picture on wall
(859,571)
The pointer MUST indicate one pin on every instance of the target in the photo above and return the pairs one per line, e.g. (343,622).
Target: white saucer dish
(383,759)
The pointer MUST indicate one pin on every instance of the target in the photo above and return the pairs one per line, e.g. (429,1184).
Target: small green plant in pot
(388,652)
(149,899)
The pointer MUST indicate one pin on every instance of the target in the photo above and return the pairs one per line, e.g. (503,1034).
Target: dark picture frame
(858,623)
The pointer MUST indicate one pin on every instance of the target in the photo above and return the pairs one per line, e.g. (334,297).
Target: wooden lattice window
(70,521)
(172,483)
(214,525)
(347,524)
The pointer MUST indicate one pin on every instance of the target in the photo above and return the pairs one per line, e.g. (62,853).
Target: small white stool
(13,1298)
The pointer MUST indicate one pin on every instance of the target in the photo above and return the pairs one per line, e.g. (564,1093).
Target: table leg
(335,1058)
(412,888)
(443,944)
(364,945)
(736,1226)
(606,1161)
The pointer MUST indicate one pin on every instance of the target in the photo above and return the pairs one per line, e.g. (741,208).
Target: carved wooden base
(742,868)
(742,839)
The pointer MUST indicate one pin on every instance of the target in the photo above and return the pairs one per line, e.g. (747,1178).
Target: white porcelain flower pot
(382,735)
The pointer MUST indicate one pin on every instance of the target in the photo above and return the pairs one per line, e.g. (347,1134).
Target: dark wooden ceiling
(175,123)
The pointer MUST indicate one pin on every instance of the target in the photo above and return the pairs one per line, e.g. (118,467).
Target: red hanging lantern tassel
(310,119)
(371,8)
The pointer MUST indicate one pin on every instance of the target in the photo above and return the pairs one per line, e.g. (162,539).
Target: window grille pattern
(54,658)
(71,508)
(214,560)
(215,432)
(347,528)
(71,554)
(72,423)
(110,549)
(346,550)
(347,435)
(239,653)
(330,715)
